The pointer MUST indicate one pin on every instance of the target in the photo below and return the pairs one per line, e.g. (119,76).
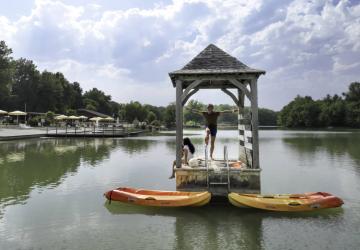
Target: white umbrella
(95,119)
(82,117)
(108,119)
(73,117)
(3,112)
(17,113)
(61,117)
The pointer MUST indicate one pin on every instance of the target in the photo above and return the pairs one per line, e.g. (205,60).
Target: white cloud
(307,47)
(112,80)
(6,29)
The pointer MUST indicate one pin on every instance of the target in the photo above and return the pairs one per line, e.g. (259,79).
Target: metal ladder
(226,159)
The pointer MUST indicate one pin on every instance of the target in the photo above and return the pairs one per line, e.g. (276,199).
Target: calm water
(51,195)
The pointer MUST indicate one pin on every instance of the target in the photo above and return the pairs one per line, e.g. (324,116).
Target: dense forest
(22,84)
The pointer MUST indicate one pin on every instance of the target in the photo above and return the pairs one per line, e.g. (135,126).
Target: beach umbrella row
(71,117)
(97,119)
(15,113)
(61,117)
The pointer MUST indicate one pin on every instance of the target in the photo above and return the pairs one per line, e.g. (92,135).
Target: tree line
(331,111)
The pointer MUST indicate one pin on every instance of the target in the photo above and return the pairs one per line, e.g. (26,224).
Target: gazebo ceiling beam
(229,93)
(193,85)
(189,95)
(242,87)
(224,77)
(218,86)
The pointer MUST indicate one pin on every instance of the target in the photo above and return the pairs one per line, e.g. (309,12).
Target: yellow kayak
(158,198)
(286,202)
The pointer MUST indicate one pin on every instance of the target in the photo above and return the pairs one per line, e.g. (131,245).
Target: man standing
(211,118)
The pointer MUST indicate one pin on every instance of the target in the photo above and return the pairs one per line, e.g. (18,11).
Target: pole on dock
(179,123)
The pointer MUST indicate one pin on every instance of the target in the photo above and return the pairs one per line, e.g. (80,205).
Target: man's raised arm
(194,111)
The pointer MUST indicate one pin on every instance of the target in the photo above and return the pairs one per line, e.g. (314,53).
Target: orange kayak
(286,202)
(158,198)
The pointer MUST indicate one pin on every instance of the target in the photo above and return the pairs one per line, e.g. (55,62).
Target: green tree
(193,116)
(100,100)
(26,84)
(115,108)
(6,71)
(134,110)
(151,117)
(301,112)
(352,99)
(70,112)
(158,111)
(267,117)
(50,93)
(333,110)
(156,123)
(90,104)
(49,117)
(169,116)
(229,118)
(78,100)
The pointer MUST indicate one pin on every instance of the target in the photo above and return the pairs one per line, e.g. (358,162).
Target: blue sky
(126,48)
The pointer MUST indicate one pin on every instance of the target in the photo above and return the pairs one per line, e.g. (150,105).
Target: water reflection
(207,227)
(39,163)
(136,145)
(220,226)
(87,167)
(335,144)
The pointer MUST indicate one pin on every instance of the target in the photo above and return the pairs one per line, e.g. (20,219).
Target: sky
(127,47)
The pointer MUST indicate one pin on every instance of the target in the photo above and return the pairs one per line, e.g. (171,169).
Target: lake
(51,194)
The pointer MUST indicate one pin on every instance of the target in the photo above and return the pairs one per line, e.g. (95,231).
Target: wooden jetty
(215,69)
(93,132)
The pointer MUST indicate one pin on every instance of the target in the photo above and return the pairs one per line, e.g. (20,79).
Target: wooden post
(254,123)
(241,128)
(179,122)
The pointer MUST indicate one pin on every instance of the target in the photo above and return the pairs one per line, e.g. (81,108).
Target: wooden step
(218,183)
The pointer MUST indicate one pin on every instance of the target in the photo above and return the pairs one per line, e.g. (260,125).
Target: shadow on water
(217,225)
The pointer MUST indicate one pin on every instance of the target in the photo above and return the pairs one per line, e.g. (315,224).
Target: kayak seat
(294,203)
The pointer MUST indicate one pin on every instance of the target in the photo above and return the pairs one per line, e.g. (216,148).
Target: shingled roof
(213,60)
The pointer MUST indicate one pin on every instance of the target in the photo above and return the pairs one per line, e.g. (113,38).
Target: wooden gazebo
(215,69)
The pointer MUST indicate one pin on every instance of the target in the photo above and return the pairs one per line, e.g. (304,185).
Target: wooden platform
(92,132)
(219,180)
(94,135)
